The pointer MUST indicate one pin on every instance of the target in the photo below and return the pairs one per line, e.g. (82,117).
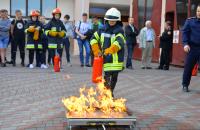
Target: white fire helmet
(113,15)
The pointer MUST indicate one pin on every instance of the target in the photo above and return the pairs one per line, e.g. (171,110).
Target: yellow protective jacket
(31,42)
(106,37)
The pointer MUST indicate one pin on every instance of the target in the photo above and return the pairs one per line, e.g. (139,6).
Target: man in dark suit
(131,33)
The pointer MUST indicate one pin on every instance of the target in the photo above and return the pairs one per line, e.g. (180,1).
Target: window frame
(26,7)
(145,12)
(190,9)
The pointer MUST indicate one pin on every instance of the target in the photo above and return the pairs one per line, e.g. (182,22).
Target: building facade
(74,8)
(159,11)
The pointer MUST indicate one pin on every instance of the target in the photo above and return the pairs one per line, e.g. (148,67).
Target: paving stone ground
(31,99)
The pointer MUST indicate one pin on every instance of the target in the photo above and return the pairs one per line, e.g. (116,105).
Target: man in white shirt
(82,28)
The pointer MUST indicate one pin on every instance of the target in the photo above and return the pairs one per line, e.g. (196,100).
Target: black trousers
(111,80)
(45,50)
(18,43)
(67,48)
(91,56)
(130,49)
(165,58)
(191,59)
(52,53)
(39,57)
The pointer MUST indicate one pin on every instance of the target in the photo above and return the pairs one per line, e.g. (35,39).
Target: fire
(94,100)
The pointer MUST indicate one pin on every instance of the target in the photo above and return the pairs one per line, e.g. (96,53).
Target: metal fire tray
(99,119)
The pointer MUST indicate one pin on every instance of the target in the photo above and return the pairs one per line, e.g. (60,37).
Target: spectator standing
(166,47)
(69,34)
(131,33)
(56,32)
(82,28)
(18,37)
(42,19)
(5,24)
(147,43)
(34,30)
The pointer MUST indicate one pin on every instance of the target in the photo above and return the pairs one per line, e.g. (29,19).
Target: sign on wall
(176,36)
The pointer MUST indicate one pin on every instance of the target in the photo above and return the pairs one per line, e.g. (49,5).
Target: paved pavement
(31,99)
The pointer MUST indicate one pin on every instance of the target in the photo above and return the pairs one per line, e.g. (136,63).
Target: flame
(93,100)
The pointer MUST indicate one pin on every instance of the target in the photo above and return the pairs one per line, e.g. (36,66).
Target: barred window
(18,5)
(44,6)
(182,12)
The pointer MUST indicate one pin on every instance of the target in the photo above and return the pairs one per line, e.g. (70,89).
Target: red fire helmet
(56,11)
(34,13)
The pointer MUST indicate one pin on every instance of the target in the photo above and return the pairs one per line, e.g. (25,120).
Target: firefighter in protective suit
(55,31)
(34,31)
(109,42)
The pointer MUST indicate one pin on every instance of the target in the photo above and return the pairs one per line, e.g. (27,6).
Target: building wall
(116,2)
(5,4)
(67,7)
(75,8)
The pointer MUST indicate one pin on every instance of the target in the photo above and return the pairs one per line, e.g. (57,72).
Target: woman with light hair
(5,24)
(147,43)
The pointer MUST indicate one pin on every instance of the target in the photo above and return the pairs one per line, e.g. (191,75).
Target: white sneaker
(43,66)
(69,65)
(31,66)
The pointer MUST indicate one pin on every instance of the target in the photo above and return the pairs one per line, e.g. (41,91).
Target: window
(182,12)
(194,4)
(33,5)
(44,6)
(141,10)
(18,4)
(144,11)
(48,6)
(149,9)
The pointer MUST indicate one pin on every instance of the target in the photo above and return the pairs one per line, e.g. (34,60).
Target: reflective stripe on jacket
(106,38)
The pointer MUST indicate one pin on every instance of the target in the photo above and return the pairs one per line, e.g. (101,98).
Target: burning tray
(96,107)
(99,119)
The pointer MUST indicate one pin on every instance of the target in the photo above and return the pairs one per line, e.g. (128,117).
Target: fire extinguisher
(195,70)
(97,69)
(56,62)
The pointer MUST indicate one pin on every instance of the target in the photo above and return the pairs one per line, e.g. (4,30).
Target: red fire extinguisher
(56,62)
(195,70)
(97,70)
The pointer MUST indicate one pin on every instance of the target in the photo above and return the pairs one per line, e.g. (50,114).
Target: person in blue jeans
(5,24)
(82,28)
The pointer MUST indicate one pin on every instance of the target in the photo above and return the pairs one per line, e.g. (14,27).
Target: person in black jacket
(55,32)
(34,31)
(112,43)
(166,46)
(131,33)
(18,38)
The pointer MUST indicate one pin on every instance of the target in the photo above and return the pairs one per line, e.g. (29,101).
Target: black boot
(166,67)
(112,91)
(3,64)
(22,59)
(9,62)
(160,68)
(22,64)
(14,63)
(186,89)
